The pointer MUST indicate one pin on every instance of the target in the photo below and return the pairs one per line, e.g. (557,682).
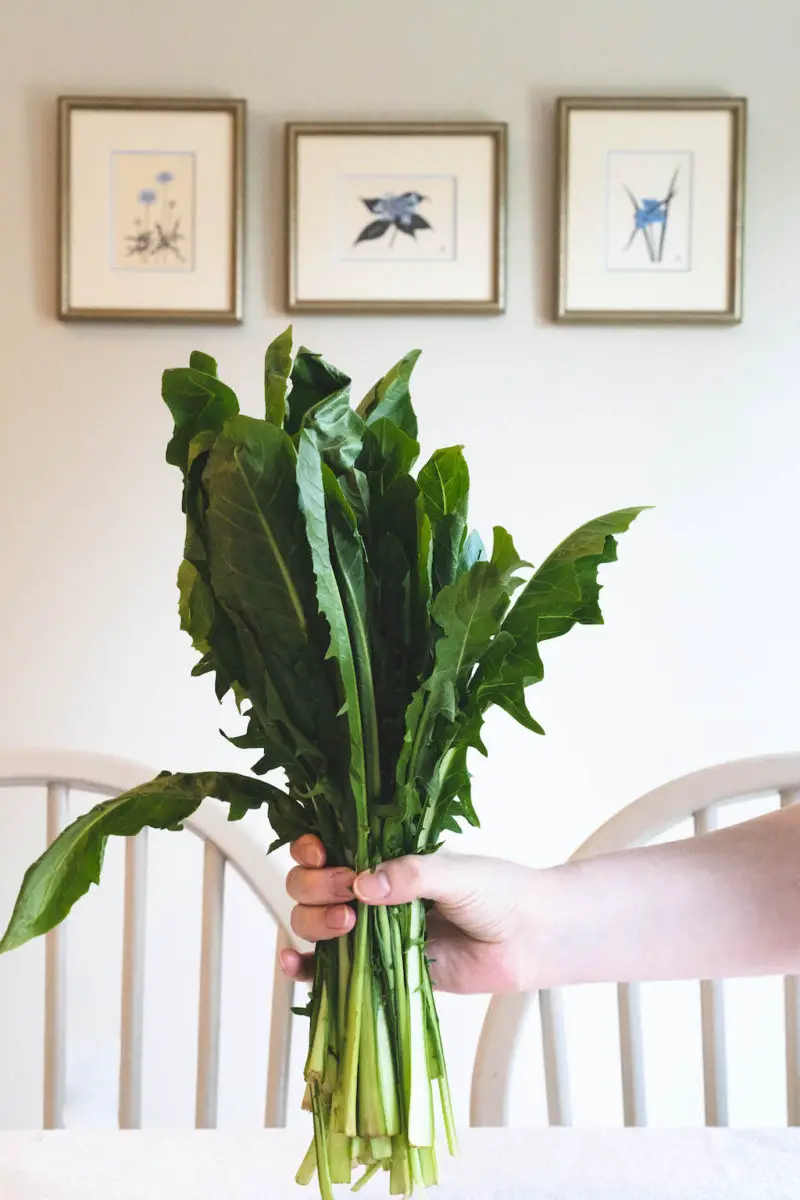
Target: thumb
(448,879)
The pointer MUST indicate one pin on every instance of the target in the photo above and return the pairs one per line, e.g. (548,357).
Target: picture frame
(151,209)
(401,217)
(650,209)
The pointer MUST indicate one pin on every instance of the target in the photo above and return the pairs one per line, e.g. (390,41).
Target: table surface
(504,1164)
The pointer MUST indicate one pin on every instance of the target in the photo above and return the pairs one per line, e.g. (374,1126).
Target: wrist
(551,934)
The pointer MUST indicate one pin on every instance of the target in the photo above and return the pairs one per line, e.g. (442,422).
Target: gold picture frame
(116,262)
(376,151)
(702,280)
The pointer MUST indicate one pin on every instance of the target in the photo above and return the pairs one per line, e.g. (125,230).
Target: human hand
(480,930)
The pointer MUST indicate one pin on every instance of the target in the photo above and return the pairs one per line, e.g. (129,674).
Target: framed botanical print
(151,209)
(396,217)
(650,211)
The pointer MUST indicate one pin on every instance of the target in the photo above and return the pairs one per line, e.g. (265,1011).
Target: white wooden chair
(697,796)
(225,846)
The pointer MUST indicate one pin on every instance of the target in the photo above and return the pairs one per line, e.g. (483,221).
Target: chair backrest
(226,845)
(697,797)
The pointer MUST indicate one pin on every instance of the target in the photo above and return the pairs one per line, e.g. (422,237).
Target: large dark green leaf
(331,605)
(391,398)
(74,861)
(261,575)
(199,403)
(198,605)
(277,368)
(312,380)
(260,564)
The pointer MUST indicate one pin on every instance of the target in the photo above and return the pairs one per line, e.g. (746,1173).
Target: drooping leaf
(277,369)
(73,862)
(313,380)
(199,403)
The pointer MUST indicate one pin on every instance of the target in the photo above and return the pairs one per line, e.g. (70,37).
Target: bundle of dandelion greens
(364,632)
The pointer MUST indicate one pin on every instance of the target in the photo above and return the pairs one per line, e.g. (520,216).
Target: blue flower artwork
(650,219)
(395,213)
(397,218)
(152,200)
(649,210)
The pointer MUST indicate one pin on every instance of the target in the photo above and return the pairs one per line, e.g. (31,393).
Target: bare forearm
(725,904)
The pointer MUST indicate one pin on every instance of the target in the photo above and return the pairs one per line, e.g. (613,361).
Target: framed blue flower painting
(151,209)
(651,199)
(396,217)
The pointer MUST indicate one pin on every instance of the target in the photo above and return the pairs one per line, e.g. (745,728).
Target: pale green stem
(348,1077)
(438,1048)
(320,1143)
(420,1100)
(365,1178)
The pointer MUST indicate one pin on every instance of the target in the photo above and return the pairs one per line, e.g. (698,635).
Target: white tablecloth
(563,1164)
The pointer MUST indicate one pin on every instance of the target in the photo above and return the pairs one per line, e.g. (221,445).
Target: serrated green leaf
(563,591)
(469,613)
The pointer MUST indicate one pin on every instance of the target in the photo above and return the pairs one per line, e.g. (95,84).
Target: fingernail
(337,918)
(343,882)
(310,854)
(372,885)
(287,958)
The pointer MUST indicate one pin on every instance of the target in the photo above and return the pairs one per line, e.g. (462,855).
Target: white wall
(699,660)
